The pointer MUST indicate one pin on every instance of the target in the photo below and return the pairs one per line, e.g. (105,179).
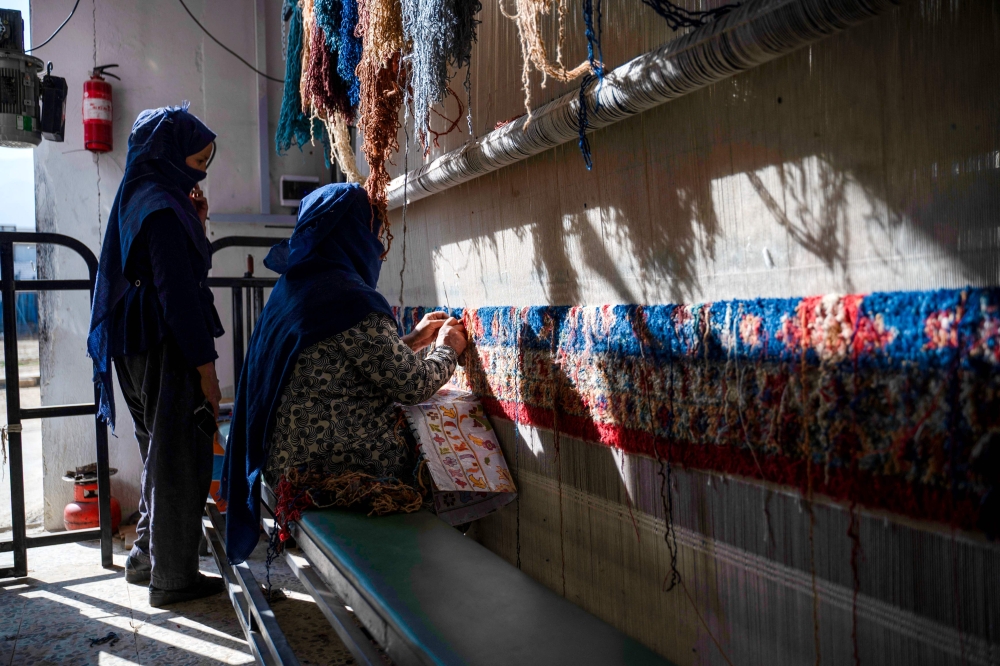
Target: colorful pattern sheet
(470,475)
(889,400)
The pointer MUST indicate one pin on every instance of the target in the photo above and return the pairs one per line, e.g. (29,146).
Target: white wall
(164,58)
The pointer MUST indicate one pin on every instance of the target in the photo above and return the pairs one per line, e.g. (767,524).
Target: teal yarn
(328,17)
(293,126)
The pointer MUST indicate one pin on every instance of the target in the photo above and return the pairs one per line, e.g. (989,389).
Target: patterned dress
(337,413)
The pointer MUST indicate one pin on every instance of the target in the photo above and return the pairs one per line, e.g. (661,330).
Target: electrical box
(295,188)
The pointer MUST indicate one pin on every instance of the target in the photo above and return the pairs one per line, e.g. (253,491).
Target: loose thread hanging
(678,17)
(855,537)
(528,17)
(595,57)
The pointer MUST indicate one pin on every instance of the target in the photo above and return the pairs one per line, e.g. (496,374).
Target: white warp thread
(757,32)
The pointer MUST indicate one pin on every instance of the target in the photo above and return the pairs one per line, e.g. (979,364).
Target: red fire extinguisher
(97,111)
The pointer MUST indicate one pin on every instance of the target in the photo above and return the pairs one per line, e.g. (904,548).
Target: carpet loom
(884,401)
(827,496)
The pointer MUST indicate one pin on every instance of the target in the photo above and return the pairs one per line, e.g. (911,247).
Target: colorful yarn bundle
(889,401)
(440,34)
(299,490)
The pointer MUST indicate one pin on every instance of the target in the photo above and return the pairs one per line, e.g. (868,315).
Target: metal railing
(9,287)
(248,304)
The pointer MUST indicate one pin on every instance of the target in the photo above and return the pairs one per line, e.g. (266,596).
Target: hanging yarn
(349,54)
(340,139)
(678,17)
(328,17)
(382,94)
(323,89)
(308,32)
(378,119)
(528,16)
(757,32)
(441,34)
(294,127)
(595,56)
(384,29)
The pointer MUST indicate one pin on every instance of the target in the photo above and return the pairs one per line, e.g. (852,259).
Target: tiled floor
(67,600)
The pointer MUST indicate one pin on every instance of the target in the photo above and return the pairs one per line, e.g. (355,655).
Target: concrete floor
(67,600)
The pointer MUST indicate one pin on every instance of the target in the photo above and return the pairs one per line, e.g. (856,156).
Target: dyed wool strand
(595,56)
(308,32)
(440,34)
(294,127)
(528,16)
(378,120)
(349,55)
(328,15)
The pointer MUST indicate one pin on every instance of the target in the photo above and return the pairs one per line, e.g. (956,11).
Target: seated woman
(325,366)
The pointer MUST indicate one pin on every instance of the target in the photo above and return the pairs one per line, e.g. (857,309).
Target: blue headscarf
(329,270)
(156,178)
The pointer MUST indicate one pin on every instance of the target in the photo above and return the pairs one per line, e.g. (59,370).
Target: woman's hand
(452,334)
(200,204)
(210,385)
(425,332)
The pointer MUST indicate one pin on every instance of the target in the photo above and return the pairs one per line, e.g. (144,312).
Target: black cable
(226,48)
(61,26)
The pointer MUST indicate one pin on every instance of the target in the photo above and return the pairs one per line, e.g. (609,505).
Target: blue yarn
(350,50)
(595,54)
(678,17)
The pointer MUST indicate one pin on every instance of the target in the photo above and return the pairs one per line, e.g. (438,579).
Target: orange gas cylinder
(83,511)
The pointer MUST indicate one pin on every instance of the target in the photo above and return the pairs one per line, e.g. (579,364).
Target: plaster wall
(163,58)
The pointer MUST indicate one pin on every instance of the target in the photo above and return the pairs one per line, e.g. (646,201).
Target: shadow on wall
(863,149)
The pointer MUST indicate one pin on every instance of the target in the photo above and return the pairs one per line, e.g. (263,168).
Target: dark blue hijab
(329,270)
(156,178)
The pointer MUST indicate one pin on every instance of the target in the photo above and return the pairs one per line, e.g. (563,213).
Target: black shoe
(137,572)
(205,587)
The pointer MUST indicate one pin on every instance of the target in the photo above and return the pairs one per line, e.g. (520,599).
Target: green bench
(429,595)
(422,592)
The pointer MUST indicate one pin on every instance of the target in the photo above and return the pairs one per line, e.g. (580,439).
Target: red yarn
(878,492)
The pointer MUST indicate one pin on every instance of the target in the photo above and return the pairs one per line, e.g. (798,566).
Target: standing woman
(154,315)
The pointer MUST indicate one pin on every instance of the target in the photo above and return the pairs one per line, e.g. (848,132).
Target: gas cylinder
(98,111)
(83,511)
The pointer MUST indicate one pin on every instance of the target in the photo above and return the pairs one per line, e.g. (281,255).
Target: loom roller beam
(756,33)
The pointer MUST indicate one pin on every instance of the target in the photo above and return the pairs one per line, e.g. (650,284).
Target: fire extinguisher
(97,111)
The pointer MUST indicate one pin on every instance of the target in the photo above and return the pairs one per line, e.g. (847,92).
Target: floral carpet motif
(887,400)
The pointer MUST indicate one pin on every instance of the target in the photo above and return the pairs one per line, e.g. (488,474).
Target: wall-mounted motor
(23,121)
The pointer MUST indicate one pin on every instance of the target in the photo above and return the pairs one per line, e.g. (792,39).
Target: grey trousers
(162,392)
